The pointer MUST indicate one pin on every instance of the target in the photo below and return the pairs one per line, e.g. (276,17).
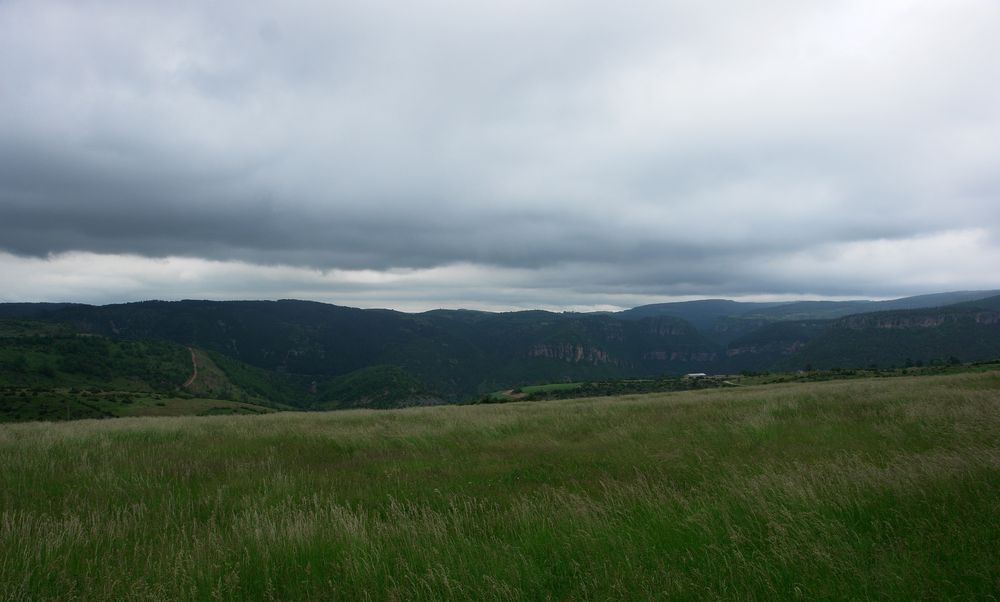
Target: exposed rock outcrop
(569,352)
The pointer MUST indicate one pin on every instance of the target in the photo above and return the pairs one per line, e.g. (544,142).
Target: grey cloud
(666,148)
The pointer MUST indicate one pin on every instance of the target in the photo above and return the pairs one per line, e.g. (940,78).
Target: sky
(565,155)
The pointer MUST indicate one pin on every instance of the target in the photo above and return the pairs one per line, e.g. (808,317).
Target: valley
(305,355)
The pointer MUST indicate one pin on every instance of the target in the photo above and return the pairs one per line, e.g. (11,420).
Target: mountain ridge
(296,352)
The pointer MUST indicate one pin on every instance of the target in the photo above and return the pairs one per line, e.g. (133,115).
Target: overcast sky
(498,155)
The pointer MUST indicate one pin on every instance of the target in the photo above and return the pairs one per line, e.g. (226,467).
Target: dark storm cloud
(667,148)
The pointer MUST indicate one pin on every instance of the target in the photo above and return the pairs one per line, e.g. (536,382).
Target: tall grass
(886,489)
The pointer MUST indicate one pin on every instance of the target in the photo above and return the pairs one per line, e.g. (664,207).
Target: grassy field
(521,392)
(859,489)
(551,387)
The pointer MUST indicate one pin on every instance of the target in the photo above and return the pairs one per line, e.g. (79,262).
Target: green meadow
(856,489)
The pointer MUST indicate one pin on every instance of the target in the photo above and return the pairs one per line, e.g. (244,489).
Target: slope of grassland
(880,488)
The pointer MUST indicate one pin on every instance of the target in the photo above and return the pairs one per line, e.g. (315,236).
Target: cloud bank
(556,154)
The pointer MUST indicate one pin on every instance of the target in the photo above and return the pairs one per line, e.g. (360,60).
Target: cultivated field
(863,489)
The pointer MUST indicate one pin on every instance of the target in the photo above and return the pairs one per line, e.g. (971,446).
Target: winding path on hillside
(194,368)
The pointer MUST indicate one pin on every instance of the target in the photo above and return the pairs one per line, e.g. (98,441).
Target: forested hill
(960,332)
(455,353)
(724,321)
(307,353)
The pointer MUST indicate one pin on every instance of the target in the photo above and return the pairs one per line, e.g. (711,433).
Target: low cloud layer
(556,154)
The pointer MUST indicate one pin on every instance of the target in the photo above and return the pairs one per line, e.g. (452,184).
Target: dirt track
(194,369)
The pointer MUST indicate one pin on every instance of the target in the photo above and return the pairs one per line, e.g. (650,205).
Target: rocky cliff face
(569,352)
(646,344)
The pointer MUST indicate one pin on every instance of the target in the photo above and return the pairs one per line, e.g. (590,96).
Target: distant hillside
(374,387)
(32,310)
(453,353)
(774,344)
(47,371)
(937,300)
(812,310)
(703,314)
(992,303)
(967,332)
(724,321)
(818,310)
(952,333)
(315,355)
(40,353)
